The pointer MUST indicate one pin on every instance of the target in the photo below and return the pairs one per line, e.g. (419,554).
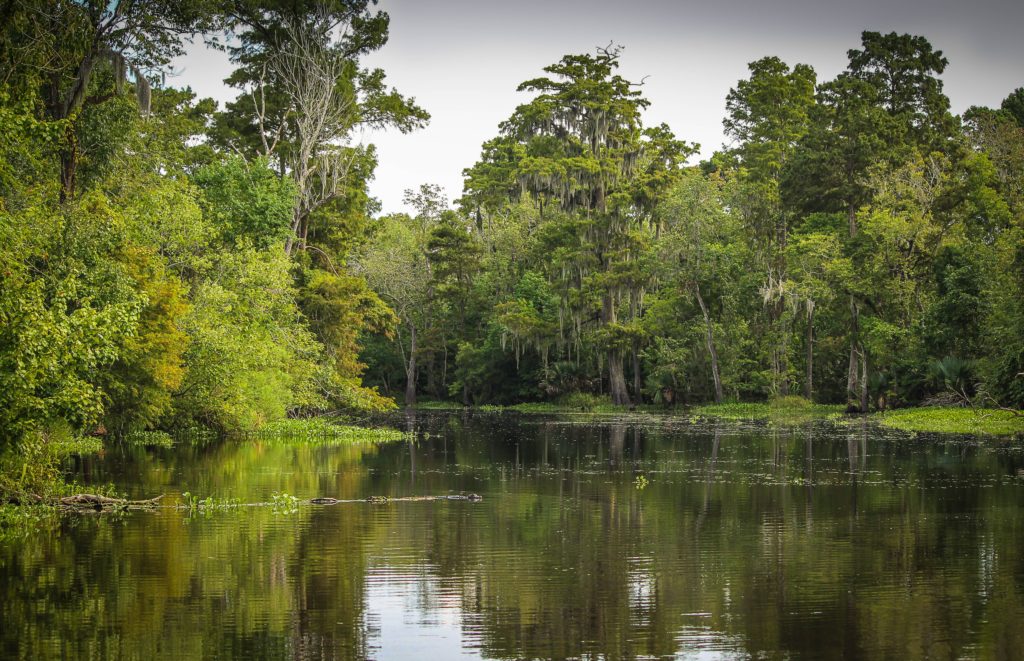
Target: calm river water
(623,538)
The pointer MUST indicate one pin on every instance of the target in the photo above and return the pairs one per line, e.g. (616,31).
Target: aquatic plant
(953,420)
(790,409)
(284,503)
(323,431)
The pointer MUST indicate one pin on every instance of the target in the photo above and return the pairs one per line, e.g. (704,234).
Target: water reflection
(806,542)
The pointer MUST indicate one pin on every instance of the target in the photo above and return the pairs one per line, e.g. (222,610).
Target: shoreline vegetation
(168,263)
(787,410)
(33,473)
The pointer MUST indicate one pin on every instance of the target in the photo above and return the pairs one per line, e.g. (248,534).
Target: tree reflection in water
(808,542)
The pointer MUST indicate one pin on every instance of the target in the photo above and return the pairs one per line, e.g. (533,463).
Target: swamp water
(596,538)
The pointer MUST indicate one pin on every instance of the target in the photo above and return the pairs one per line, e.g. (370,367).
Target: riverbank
(789,410)
(35,471)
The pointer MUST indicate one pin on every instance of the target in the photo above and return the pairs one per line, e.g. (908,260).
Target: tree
(819,270)
(581,138)
(68,308)
(246,202)
(767,115)
(1014,105)
(454,251)
(63,45)
(397,266)
(700,250)
(886,108)
(903,69)
(305,95)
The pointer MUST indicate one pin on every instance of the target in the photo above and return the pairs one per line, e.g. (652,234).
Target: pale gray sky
(463,59)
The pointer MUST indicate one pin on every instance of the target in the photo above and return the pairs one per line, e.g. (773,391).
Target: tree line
(167,263)
(855,242)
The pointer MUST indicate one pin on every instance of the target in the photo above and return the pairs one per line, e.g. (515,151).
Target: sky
(463,59)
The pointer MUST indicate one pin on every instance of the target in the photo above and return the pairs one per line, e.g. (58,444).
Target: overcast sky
(463,59)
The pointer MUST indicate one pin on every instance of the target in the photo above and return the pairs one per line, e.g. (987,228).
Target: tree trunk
(784,363)
(634,311)
(68,169)
(636,370)
(616,373)
(851,373)
(710,339)
(809,381)
(617,379)
(410,370)
(863,380)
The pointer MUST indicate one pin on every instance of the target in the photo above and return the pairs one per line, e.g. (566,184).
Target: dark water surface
(748,541)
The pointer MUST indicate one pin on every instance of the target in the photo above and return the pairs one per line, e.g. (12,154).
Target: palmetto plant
(953,374)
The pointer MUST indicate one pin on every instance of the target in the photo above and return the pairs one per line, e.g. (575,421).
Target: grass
(322,431)
(784,409)
(950,420)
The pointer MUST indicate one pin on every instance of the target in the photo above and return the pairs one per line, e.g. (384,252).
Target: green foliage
(846,241)
(247,202)
(164,263)
(251,358)
(149,439)
(953,374)
(139,384)
(68,306)
(786,410)
(581,401)
(956,420)
(283,503)
(31,470)
(323,431)
(148,275)
(1014,105)
(338,308)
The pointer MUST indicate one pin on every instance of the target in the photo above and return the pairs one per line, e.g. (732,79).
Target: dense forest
(854,243)
(166,263)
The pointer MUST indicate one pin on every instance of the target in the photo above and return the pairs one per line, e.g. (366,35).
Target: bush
(582,401)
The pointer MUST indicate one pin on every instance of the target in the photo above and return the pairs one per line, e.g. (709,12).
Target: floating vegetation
(786,410)
(284,503)
(323,431)
(149,439)
(953,420)
(436,405)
